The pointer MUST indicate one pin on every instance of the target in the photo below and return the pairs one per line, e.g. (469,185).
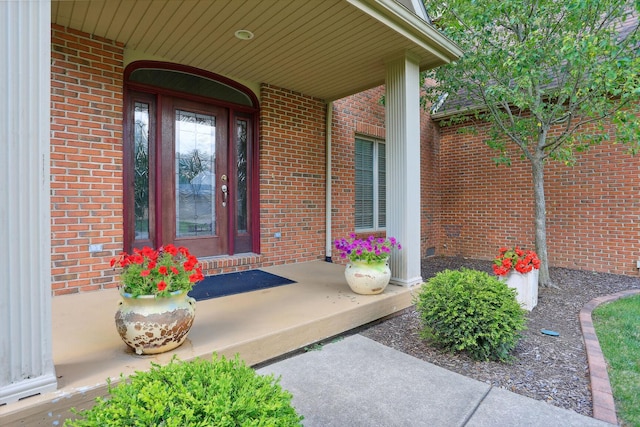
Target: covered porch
(46,348)
(259,326)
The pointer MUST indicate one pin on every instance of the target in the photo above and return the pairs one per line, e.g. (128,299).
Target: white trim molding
(26,360)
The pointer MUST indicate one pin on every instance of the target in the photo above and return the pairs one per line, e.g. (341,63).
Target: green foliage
(544,74)
(548,76)
(220,392)
(158,272)
(470,311)
(618,327)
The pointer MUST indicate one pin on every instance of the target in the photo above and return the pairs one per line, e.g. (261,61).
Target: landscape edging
(604,407)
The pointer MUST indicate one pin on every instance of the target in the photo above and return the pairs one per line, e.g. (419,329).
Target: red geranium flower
(522,261)
(158,272)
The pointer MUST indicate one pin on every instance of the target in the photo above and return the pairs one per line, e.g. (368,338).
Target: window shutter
(382,186)
(364,184)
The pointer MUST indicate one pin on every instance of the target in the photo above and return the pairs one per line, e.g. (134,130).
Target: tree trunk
(537,169)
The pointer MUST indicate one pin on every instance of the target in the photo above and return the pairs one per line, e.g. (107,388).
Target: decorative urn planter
(526,286)
(154,324)
(368,278)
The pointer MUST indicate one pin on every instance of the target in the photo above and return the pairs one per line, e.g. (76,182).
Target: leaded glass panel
(141,169)
(195,174)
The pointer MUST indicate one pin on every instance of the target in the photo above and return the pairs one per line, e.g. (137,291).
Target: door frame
(234,111)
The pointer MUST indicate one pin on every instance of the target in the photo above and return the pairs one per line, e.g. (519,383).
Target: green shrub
(470,311)
(220,392)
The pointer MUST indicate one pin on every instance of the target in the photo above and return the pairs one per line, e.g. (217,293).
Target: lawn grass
(617,325)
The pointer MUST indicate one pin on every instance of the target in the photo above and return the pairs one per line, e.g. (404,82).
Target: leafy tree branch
(553,78)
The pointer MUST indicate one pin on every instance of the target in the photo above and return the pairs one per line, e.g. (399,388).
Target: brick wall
(292,176)
(360,114)
(470,207)
(592,207)
(86,169)
(363,114)
(86,159)
(430,187)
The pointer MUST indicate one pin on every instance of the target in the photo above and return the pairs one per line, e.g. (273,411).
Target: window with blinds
(370,201)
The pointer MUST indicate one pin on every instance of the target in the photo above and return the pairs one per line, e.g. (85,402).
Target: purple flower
(371,249)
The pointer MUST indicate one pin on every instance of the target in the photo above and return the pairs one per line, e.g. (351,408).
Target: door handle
(225,192)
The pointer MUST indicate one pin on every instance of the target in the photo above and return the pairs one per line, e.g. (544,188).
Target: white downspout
(329,238)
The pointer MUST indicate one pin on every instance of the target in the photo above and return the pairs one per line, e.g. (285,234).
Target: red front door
(194,180)
(181,183)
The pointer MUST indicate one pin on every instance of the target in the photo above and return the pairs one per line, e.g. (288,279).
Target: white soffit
(327,49)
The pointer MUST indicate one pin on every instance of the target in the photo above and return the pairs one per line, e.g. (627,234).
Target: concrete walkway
(356,381)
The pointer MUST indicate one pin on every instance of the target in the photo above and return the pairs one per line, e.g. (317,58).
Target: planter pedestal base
(526,286)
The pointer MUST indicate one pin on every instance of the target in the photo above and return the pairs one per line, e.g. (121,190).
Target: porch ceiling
(327,49)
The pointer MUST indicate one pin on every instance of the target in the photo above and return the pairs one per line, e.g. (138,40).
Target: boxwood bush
(470,311)
(220,392)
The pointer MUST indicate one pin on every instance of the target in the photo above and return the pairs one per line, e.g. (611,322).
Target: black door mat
(221,285)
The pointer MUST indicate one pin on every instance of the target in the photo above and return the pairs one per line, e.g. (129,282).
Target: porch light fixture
(244,34)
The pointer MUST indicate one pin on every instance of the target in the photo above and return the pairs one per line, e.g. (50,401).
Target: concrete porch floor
(259,326)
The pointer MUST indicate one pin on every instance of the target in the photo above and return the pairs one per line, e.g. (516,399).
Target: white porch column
(26,360)
(403,167)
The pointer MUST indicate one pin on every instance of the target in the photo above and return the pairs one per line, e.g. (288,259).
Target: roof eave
(414,28)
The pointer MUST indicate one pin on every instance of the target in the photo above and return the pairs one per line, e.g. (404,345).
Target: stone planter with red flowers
(155,313)
(519,269)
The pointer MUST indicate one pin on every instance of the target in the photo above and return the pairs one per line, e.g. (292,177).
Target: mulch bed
(546,368)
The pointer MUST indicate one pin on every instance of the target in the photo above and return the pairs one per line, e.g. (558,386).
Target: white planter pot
(151,325)
(368,279)
(526,286)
